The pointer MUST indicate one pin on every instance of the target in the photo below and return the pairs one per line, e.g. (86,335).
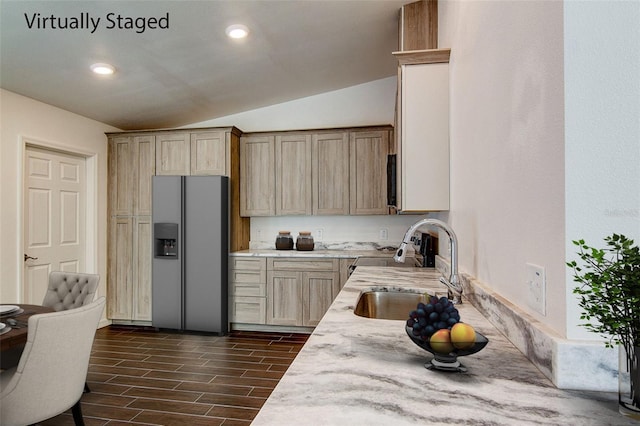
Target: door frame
(91,207)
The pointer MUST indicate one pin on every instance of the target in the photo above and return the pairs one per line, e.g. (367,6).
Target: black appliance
(428,250)
(391,180)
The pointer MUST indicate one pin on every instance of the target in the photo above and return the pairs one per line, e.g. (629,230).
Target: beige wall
(23,118)
(507,145)
(544,139)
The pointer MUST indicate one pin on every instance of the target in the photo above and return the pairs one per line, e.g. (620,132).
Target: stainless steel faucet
(453,283)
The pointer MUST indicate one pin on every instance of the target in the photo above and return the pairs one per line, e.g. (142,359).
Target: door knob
(27,257)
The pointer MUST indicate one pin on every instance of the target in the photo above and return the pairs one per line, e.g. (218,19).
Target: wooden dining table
(12,342)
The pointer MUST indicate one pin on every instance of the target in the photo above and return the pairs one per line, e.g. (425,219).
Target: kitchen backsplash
(334,232)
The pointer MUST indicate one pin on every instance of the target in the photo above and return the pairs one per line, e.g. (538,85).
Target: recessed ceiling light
(237,31)
(103,69)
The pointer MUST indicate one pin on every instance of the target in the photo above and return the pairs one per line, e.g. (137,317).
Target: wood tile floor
(144,377)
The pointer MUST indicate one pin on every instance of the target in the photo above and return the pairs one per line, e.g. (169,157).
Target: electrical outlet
(319,234)
(383,234)
(259,234)
(536,283)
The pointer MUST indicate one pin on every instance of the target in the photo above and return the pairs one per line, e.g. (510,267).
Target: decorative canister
(304,242)
(284,241)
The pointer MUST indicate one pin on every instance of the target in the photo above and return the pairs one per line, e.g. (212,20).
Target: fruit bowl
(448,361)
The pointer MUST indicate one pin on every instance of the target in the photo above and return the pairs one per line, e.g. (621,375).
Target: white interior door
(54,218)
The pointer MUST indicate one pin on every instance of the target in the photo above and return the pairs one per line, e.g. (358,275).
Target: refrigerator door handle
(183,269)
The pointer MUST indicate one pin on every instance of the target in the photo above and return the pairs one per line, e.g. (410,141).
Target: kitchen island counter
(362,371)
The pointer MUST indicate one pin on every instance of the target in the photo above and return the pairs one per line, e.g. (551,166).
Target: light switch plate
(536,288)
(383,234)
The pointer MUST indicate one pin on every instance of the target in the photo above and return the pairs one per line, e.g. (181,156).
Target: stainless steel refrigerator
(190,253)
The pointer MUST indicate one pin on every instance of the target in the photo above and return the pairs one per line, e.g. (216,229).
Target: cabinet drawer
(289,264)
(248,263)
(243,276)
(244,289)
(252,310)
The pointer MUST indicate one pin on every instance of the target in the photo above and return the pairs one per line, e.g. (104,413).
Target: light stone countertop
(360,371)
(333,253)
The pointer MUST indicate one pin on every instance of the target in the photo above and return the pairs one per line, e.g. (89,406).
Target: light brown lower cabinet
(299,298)
(248,310)
(317,295)
(120,266)
(284,298)
(141,297)
(299,291)
(248,281)
(281,291)
(130,268)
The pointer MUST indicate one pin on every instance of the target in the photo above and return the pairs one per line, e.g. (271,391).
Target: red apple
(440,341)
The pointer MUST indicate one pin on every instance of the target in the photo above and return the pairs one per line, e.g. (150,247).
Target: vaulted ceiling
(191,71)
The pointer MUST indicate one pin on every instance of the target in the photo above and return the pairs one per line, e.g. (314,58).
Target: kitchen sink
(388,303)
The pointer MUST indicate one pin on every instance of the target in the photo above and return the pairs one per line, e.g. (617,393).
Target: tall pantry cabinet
(133,159)
(131,165)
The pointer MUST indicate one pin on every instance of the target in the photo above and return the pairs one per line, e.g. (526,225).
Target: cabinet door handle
(27,257)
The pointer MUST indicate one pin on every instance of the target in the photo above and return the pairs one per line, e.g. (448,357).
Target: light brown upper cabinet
(368,181)
(209,153)
(418,26)
(143,170)
(131,166)
(257,175)
(330,173)
(173,154)
(120,176)
(422,143)
(293,174)
(320,172)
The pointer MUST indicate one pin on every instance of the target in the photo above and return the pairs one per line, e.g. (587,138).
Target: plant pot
(629,381)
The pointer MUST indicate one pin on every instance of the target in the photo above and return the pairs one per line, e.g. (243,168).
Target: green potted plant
(609,294)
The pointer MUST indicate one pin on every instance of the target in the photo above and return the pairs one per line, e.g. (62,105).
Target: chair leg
(76,410)
(86,388)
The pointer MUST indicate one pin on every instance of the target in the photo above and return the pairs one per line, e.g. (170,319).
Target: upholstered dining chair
(50,376)
(69,290)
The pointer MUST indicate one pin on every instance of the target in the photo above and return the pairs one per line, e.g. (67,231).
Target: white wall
(23,118)
(365,104)
(602,130)
(507,149)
